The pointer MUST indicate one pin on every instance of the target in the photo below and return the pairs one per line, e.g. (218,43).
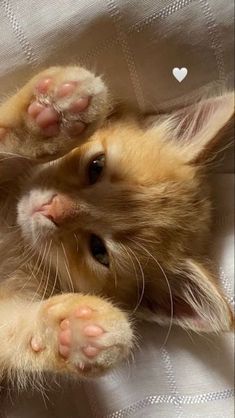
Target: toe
(64,350)
(35,108)
(79,105)
(43,85)
(65,324)
(65,337)
(47,117)
(93,330)
(90,351)
(83,312)
(36,344)
(66,89)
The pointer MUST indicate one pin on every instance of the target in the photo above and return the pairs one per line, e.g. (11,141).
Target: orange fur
(151,207)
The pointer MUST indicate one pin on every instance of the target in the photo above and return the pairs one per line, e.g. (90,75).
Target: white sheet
(135,44)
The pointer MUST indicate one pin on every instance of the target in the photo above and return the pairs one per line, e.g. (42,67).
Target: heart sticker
(180,73)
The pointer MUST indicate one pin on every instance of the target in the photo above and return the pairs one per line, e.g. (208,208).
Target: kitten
(100,216)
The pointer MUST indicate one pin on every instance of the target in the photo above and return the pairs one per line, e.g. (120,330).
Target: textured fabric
(135,44)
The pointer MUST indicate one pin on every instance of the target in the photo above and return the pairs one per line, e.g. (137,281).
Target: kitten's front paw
(90,343)
(66,101)
(92,334)
(54,112)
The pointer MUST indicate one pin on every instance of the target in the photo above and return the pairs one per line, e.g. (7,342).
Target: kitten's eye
(95,168)
(98,250)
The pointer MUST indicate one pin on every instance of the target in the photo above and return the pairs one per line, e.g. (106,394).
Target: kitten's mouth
(50,218)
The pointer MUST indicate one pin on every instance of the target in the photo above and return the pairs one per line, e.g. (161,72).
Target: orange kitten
(125,214)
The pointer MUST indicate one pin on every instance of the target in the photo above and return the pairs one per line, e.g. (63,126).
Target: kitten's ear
(198,128)
(194,301)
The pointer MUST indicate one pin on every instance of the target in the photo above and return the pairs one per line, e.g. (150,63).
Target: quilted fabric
(135,44)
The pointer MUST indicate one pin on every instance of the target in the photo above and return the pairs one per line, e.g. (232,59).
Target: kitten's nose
(57,210)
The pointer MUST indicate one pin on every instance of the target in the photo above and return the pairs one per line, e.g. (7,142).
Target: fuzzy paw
(59,107)
(91,336)
(66,107)
(87,342)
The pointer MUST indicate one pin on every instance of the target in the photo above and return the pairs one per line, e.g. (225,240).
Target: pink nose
(57,210)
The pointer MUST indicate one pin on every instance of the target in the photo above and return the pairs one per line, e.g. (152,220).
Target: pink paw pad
(64,350)
(93,330)
(91,351)
(48,116)
(83,312)
(35,108)
(89,333)
(65,339)
(36,344)
(45,117)
(66,89)
(60,104)
(43,85)
(79,105)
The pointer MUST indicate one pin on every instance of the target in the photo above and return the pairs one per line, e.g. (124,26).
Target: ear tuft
(195,303)
(198,128)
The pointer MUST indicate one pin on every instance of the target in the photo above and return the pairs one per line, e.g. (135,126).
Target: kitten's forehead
(141,157)
(114,150)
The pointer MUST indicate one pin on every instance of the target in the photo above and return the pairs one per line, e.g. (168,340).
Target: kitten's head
(128,215)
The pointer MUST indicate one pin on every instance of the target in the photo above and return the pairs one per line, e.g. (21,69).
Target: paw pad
(83,312)
(93,331)
(66,89)
(58,107)
(45,117)
(89,334)
(36,344)
(83,333)
(91,351)
(43,85)
(79,105)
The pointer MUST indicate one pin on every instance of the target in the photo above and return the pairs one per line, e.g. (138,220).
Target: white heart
(180,73)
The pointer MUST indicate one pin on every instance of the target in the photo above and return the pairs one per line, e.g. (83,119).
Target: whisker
(76,239)
(42,259)
(169,289)
(48,273)
(56,273)
(67,267)
(26,259)
(36,292)
(143,281)
(32,271)
(44,262)
(12,155)
(134,267)
(115,273)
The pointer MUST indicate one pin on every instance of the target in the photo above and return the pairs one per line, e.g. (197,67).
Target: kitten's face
(115,206)
(125,215)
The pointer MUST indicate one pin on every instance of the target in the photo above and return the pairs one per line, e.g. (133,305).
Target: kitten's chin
(33,224)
